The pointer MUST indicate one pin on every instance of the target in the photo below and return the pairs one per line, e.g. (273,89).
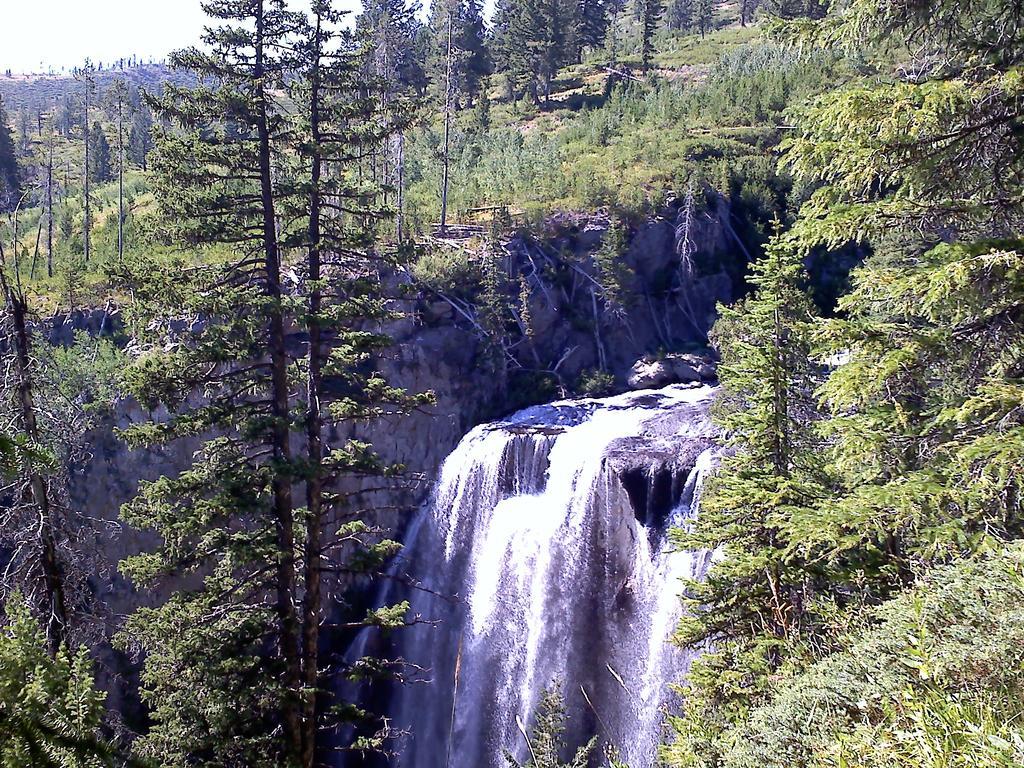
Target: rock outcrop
(651,372)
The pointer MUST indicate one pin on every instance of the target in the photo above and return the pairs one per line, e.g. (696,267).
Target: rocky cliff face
(443,350)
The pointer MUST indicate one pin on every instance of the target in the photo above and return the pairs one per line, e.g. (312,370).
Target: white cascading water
(543,560)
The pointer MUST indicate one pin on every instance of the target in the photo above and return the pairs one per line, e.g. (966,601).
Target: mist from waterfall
(542,559)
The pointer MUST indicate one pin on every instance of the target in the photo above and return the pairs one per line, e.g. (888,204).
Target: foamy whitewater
(542,559)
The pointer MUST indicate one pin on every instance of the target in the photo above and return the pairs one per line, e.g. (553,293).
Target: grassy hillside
(713,125)
(707,117)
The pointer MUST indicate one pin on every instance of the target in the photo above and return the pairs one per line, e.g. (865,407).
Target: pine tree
(476,64)
(797,9)
(545,739)
(85,74)
(756,603)
(232,514)
(140,140)
(704,15)
(117,97)
(444,64)
(50,710)
(100,166)
(503,47)
(681,15)
(341,289)
(926,436)
(389,29)
(233,671)
(747,10)
(531,42)
(390,32)
(10,183)
(593,18)
(917,456)
(651,12)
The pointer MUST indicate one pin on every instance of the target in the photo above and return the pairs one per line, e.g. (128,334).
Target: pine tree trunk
(447,131)
(314,434)
(281,483)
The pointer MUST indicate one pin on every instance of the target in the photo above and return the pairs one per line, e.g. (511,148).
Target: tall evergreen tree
(390,32)
(85,74)
(593,18)
(926,433)
(389,28)
(232,514)
(118,106)
(651,12)
(470,56)
(921,431)
(234,672)
(10,181)
(100,165)
(704,15)
(680,15)
(755,604)
(477,64)
(140,140)
(531,42)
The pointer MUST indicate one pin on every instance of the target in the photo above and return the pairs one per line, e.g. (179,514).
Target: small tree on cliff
(754,603)
(286,347)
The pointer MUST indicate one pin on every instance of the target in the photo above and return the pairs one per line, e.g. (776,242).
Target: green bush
(448,270)
(594,383)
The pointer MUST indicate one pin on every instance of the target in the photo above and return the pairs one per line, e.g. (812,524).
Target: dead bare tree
(48,551)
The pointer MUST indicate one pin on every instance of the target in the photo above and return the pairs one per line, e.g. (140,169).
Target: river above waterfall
(542,560)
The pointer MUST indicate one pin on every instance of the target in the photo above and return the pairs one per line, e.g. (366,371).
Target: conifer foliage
(50,710)
(10,181)
(270,387)
(911,451)
(754,603)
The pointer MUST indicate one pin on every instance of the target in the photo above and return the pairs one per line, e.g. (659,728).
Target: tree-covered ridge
(606,136)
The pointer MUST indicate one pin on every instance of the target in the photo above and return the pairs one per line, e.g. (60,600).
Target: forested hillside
(254,273)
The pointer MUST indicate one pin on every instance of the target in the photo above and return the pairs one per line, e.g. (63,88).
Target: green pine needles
(50,710)
(874,448)
(268,527)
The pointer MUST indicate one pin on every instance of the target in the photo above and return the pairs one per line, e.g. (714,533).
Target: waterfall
(541,559)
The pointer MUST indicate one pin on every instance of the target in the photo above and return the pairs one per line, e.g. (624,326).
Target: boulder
(707,371)
(650,373)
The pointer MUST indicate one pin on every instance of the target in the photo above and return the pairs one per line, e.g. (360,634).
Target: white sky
(39,35)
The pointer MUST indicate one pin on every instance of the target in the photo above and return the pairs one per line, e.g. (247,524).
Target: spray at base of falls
(543,560)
